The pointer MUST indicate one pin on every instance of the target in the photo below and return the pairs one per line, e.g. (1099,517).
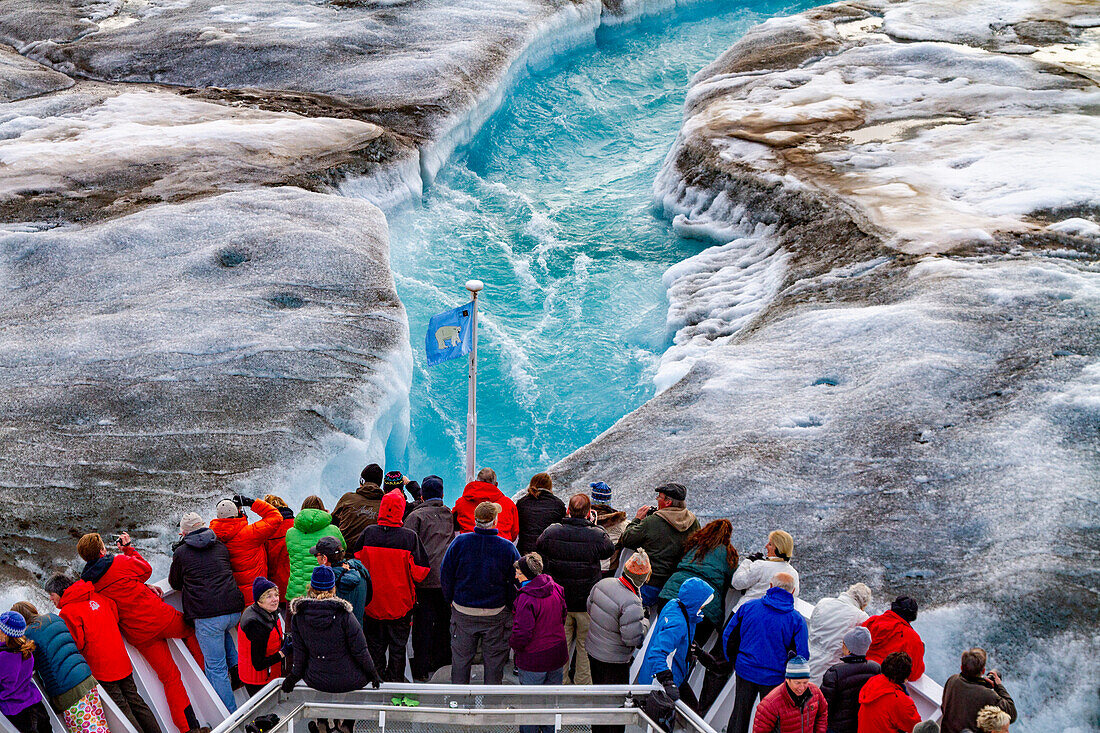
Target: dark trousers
(609,673)
(431,633)
(745,695)
(253,689)
(125,694)
(32,719)
(491,633)
(388,638)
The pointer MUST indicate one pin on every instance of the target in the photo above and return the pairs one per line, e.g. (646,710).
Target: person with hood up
(260,637)
(144,619)
(278,563)
(353,582)
(618,626)
(65,674)
(311,524)
(666,657)
(884,705)
(431,633)
(358,509)
(538,629)
(92,621)
(610,519)
(831,619)
(757,640)
(330,652)
(755,572)
(20,700)
(573,550)
(485,489)
(661,531)
(966,693)
(212,602)
(796,706)
(246,542)
(843,682)
(893,632)
(396,562)
(478,582)
(537,509)
(397,481)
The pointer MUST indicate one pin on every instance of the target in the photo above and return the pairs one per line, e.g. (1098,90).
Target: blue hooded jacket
(675,629)
(56,659)
(766,629)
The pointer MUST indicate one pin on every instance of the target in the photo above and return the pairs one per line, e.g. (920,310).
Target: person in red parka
(92,621)
(278,561)
(485,489)
(892,632)
(246,542)
(396,561)
(144,619)
(884,705)
(796,706)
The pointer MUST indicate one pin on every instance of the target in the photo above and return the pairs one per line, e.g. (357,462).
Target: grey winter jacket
(617,625)
(434,525)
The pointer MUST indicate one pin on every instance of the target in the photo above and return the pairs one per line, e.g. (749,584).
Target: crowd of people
(332,599)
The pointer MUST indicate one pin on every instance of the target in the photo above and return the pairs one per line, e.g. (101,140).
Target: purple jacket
(538,628)
(17,692)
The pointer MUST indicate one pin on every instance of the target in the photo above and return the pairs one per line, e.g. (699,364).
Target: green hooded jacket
(310,525)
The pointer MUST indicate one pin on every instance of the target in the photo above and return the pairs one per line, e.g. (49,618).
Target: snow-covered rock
(894,345)
(156,361)
(20,77)
(98,151)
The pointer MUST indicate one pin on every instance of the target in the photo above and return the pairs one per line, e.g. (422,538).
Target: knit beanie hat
(637,569)
(431,488)
(798,668)
(372,474)
(227,509)
(601,492)
(12,624)
(905,607)
(260,586)
(190,522)
(858,641)
(392,481)
(323,578)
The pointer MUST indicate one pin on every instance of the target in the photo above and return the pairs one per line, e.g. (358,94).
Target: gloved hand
(288,684)
(375,680)
(756,556)
(665,678)
(243,501)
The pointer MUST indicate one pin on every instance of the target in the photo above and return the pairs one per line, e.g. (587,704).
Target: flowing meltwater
(552,206)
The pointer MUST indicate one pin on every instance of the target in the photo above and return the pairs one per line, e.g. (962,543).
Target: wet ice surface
(20,77)
(155,360)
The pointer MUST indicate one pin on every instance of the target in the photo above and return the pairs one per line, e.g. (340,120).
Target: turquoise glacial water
(551,205)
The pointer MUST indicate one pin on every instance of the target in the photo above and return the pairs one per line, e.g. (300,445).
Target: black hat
(327,546)
(676,492)
(905,607)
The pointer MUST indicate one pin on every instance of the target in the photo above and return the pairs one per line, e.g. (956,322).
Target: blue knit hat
(431,488)
(323,578)
(260,586)
(798,668)
(601,492)
(12,624)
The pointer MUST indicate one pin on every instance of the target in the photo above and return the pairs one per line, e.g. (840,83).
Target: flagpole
(474,286)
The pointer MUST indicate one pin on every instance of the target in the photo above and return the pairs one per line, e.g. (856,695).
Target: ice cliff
(894,349)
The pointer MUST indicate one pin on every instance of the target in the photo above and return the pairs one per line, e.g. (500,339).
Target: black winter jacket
(330,651)
(256,623)
(571,553)
(201,571)
(434,525)
(536,513)
(841,685)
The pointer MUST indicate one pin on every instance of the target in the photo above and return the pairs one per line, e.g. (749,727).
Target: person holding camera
(972,689)
(661,531)
(246,542)
(755,572)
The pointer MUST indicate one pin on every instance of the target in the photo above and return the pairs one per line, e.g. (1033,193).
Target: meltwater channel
(551,205)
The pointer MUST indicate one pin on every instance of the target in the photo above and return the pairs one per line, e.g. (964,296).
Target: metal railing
(460,707)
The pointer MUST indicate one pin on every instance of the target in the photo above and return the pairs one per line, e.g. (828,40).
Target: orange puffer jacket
(247,554)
